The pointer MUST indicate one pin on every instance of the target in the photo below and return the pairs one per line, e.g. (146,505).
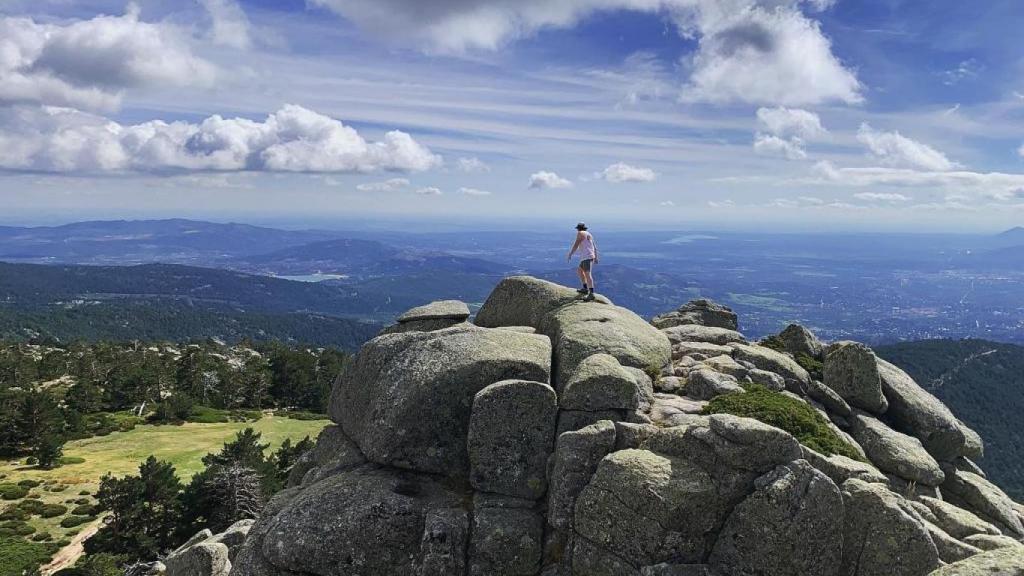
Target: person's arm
(575,245)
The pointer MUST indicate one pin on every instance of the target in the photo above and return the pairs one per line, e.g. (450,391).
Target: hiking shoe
(582,291)
(589,297)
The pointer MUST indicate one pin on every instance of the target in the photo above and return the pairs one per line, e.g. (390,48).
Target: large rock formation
(567,438)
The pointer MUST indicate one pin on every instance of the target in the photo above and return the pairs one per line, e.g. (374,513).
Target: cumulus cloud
(230,25)
(763,51)
(429,191)
(896,149)
(785,130)
(89,63)
(881,197)
(621,172)
(786,122)
(293,139)
(471,165)
(386,186)
(770,145)
(473,192)
(544,179)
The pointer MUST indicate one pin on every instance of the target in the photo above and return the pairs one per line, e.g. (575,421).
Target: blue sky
(749,114)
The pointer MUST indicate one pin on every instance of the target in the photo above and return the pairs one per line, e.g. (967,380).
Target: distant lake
(318,277)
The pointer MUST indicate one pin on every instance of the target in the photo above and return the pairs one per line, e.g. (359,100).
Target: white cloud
(997,186)
(967,69)
(763,51)
(1021,151)
(786,122)
(293,139)
(775,146)
(230,25)
(385,186)
(429,191)
(667,204)
(473,192)
(721,203)
(895,149)
(545,179)
(881,197)
(89,63)
(621,172)
(471,165)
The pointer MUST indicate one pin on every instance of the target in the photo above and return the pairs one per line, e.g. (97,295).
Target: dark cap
(581,226)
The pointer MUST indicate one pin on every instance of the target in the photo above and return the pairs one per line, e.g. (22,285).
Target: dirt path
(67,555)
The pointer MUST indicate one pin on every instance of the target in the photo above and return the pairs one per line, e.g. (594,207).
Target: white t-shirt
(586,250)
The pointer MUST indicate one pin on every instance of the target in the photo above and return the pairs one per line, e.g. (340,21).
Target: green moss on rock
(805,424)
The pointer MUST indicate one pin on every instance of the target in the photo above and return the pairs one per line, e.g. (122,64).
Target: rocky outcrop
(703,312)
(914,411)
(894,452)
(882,536)
(1001,562)
(524,301)
(582,329)
(406,399)
(790,525)
(851,369)
(511,435)
(799,340)
(206,554)
(568,438)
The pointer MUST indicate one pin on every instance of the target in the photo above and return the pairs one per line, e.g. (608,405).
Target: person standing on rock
(588,257)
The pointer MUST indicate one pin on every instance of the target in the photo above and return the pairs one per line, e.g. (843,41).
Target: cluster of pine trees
(49,393)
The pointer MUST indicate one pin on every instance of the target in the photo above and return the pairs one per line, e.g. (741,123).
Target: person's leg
(583,278)
(589,279)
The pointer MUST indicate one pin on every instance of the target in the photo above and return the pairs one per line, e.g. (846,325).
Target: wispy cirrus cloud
(389,185)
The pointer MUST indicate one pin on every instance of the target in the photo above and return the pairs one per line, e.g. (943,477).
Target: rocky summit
(554,436)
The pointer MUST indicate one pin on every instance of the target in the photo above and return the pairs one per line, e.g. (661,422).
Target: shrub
(805,424)
(69,460)
(207,415)
(12,492)
(813,366)
(42,537)
(15,528)
(31,506)
(72,521)
(84,493)
(85,510)
(18,556)
(15,513)
(31,460)
(53,510)
(29,483)
(300,415)
(58,488)
(773,342)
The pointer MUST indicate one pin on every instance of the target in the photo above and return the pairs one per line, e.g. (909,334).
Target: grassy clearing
(121,453)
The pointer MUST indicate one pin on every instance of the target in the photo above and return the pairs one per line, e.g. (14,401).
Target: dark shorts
(586,264)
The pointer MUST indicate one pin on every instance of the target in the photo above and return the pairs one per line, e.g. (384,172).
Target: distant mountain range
(983,383)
